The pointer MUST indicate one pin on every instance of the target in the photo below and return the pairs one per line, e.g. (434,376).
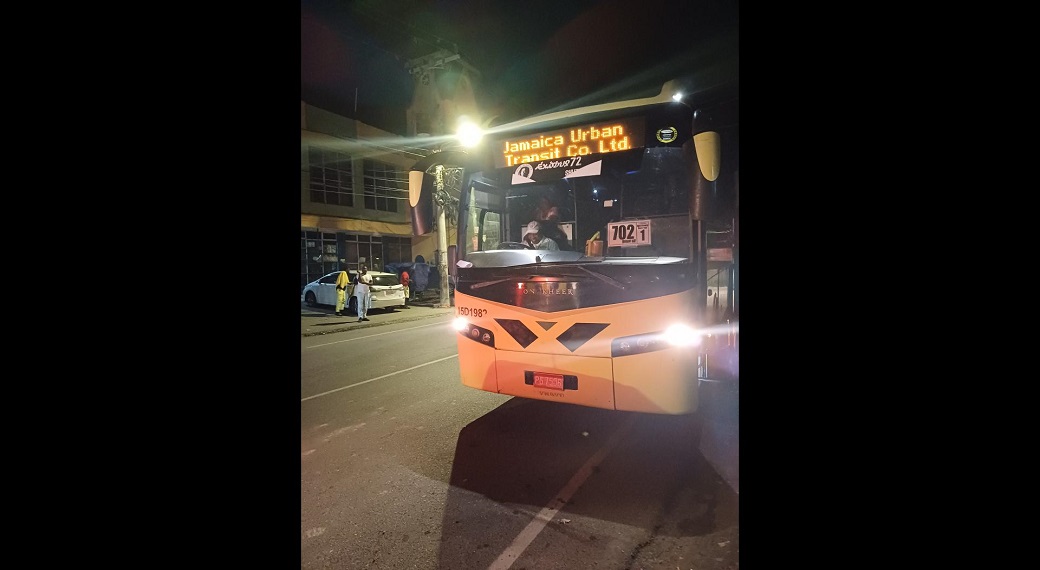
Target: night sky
(532,56)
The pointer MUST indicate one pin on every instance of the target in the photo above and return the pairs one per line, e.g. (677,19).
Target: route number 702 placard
(628,234)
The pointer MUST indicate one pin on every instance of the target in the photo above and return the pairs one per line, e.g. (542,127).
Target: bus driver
(534,239)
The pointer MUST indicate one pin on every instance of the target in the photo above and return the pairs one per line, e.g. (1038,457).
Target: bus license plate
(546,380)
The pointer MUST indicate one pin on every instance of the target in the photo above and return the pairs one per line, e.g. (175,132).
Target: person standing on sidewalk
(342,281)
(406,280)
(363,291)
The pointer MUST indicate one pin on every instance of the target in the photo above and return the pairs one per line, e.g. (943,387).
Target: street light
(468,133)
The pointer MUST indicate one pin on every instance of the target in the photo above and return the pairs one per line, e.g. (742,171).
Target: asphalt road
(403,467)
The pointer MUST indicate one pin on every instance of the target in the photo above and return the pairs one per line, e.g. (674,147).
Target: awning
(330,224)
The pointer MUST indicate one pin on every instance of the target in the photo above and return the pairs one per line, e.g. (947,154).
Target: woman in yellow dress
(342,281)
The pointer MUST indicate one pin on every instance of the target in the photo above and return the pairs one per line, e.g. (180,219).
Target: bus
(619,315)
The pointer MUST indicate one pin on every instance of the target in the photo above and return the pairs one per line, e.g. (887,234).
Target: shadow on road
(523,453)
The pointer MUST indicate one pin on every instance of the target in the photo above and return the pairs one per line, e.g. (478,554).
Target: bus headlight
(473,332)
(682,335)
(675,335)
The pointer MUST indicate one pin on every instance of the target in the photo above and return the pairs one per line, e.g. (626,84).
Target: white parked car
(387,291)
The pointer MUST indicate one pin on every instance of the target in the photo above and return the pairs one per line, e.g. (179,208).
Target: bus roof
(547,119)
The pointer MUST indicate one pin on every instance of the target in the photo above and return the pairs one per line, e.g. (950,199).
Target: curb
(354,325)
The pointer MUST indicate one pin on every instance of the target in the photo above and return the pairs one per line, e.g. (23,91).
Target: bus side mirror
(420,198)
(708,145)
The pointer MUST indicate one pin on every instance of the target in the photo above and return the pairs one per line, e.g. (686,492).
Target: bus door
(484,218)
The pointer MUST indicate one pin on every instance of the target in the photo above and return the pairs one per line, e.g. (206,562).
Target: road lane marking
(377,378)
(545,516)
(376,334)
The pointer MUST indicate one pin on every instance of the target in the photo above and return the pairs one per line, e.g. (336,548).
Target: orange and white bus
(615,317)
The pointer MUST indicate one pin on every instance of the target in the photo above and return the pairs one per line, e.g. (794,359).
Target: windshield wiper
(608,280)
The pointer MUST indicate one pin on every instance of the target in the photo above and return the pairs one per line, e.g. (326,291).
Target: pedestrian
(406,281)
(342,281)
(362,289)
(534,239)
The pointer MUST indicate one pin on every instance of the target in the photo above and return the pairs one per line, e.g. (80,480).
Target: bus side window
(490,231)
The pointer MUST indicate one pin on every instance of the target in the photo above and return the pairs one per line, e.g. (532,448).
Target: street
(403,467)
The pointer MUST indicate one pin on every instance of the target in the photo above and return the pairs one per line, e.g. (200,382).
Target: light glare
(468,133)
(459,324)
(682,335)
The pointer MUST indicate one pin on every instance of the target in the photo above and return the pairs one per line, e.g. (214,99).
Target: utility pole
(435,112)
(442,239)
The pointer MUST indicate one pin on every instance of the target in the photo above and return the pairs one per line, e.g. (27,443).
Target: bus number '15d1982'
(468,312)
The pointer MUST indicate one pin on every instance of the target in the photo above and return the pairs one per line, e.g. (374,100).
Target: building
(354,196)
(354,206)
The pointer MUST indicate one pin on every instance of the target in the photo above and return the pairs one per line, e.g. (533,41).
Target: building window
(397,250)
(385,186)
(332,177)
(377,251)
(317,255)
(364,249)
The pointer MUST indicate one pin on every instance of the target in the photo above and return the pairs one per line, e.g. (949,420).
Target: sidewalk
(323,320)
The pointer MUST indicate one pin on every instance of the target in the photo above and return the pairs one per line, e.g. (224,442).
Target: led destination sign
(600,138)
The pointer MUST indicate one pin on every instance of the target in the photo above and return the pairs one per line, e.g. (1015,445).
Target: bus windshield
(623,180)
(574,211)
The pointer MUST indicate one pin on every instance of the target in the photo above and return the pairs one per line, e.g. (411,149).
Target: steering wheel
(513,245)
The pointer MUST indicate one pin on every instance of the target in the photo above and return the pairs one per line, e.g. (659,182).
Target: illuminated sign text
(602,138)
